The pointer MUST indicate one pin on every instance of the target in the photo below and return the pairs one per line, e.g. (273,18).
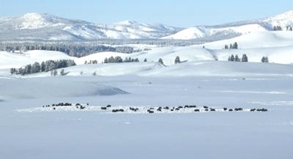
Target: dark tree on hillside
(106,60)
(145,60)
(265,59)
(235,45)
(36,67)
(177,60)
(232,58)
(62,72)
(237,59)
(161,61)
(244,58)
(43,67)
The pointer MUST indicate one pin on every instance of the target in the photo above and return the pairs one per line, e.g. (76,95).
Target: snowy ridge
(196,60)
(36,26)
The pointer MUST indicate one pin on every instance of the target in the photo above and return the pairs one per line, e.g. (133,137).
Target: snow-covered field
(29,130)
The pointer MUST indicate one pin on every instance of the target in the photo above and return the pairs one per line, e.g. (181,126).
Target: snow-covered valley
(29,129)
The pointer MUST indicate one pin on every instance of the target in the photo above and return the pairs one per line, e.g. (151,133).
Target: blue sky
(182,13)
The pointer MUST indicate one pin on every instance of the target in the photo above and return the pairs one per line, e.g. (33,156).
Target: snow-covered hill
(234,29)
(36,26)
(18,59)
(196,60)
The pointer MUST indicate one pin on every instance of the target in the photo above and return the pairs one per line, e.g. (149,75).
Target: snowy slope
(229,30)
(217,32)
(9,60)
(36,26)
(277,46)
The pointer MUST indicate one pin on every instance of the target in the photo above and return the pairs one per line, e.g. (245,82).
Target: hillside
(36,26)
(195,60)
(229,30)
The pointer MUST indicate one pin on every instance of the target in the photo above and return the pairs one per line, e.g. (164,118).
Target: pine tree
(232,58)
(43,67)
(235,45)
(145,60)
(36,67)
(177,60)
(237,59)
(62,72)
(161,61)
(55,72)
(106,60)
(244,58)
(13,71)
(264,59)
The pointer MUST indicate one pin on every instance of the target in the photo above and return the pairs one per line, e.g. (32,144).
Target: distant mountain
(234,29)
(36,26)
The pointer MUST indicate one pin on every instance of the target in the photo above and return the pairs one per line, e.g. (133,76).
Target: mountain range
(42,26)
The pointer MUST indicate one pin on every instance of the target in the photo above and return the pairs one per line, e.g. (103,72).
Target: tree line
(118,59)
(77,50)
(279,28)
(44,66)
(232,46)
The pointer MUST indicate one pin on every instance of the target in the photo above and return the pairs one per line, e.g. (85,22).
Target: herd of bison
(158,109)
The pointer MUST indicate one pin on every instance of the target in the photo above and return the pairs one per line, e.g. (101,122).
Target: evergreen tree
(55,72)
(226,47)
(43,67)
(244,58)
(62,72)
(27,69)
(265,59)
(231,46)
(161,61)
(177,60)
(106,60)
(95,73)
(12,71)
(36,67)
(235,45)
(145,60)
(232,58)
(237,59)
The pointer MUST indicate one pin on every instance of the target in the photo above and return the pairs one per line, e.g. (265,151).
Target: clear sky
(183,13)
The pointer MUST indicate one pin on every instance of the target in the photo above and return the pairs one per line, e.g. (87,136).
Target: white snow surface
(31,131)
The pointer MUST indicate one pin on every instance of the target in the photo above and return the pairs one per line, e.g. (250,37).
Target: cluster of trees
(232,46)
(118,59)
(43,67)
(265,59)
(79,49)
(277,28)
(289,28)
(235,58)
(72,49)
(91,62)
